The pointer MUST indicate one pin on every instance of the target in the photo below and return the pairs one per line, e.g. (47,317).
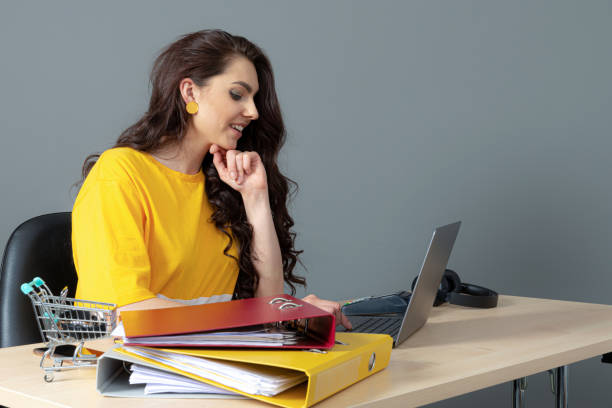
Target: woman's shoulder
(121,155)
(120,161)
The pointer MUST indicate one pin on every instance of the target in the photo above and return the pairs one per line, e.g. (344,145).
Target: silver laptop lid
(428,281)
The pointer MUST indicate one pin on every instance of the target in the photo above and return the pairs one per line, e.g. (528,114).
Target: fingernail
(233,175)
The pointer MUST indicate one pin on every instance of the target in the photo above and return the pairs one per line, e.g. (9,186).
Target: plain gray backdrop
(401,116)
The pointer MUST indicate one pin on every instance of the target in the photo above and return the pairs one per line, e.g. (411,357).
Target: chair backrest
(40,247)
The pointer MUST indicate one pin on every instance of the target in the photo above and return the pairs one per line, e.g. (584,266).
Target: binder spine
(363,363)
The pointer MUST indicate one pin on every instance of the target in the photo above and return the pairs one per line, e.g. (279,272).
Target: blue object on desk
(395,303)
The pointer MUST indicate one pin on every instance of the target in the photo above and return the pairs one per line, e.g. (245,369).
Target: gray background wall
(401,116)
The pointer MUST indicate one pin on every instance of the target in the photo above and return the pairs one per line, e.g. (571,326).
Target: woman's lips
(236,132)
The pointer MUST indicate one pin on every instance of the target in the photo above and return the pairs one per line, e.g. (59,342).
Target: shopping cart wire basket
(67,321)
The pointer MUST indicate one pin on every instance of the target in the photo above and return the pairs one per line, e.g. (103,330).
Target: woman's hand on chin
(331,307)
(243,171)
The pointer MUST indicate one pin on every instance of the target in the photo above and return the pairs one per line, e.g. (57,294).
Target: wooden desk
(459,350)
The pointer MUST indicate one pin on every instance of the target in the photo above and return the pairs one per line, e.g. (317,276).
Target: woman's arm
(268,261)
(266,251)
(245,173)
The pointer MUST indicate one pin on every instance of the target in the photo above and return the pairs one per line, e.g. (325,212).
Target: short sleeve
(108,238)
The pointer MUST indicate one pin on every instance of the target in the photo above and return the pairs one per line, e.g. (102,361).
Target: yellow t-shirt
(141,230)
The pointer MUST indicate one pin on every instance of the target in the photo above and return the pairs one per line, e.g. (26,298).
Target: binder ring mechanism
(372,362)
(286,303)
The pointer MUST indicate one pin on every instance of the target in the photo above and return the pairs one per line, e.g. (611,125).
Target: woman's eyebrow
(246,86)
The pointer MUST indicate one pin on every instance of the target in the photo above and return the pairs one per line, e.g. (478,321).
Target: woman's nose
(250,111)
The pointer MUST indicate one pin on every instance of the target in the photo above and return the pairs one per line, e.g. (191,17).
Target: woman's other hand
(331,307)
(243,171)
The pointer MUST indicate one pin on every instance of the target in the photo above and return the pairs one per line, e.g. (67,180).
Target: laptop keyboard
(377,325)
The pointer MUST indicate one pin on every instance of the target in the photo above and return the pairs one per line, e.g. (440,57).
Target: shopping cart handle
(26,288)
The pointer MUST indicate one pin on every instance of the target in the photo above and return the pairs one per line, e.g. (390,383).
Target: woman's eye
(235,95)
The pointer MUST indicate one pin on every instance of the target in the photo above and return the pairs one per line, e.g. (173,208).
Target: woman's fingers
(344,321)
(216,148)
(230,158)
(246,162)
(330,307)
(230,164)
(219,159)
(219,162)
(234,166)
(240,167)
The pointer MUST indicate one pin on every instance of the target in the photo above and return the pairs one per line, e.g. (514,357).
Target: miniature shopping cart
(66,321)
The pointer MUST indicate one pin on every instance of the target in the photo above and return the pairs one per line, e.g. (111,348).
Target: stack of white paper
(249,378)
(158,381)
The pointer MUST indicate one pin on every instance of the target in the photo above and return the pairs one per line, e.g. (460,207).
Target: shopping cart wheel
(49,377)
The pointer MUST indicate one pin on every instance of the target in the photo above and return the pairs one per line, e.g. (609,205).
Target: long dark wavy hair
(199,56)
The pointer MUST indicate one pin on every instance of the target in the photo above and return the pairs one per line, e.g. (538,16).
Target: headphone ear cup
(443,289)
(452,280)
(442,294)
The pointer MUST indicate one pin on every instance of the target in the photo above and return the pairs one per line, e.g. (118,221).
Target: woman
(190,206)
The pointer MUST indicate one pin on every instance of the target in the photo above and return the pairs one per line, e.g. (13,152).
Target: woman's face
(226,104)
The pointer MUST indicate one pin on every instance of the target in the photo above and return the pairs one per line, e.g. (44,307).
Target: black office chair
(40,247)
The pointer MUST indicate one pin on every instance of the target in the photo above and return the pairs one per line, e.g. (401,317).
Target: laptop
(399,326)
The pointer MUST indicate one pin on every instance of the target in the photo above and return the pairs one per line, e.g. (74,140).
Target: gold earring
(192,107)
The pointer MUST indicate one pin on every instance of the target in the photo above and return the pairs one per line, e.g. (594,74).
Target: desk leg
(561,387)
(518,395)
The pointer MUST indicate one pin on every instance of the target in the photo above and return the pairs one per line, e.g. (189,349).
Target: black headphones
(453,291)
